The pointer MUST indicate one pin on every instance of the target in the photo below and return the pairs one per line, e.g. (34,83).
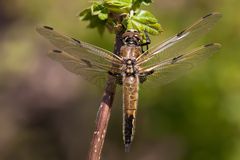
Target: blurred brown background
(48,113)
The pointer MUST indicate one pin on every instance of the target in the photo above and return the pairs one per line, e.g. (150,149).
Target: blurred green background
(48,113)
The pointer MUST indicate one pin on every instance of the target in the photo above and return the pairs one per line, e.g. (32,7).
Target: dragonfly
(162,63)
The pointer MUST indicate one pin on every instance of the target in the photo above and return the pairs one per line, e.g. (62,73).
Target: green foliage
(124,13)
(143,20)
(137,3)
(99,10)
(97,15)
(116,6)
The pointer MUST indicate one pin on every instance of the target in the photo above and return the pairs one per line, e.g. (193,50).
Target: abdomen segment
(130,102)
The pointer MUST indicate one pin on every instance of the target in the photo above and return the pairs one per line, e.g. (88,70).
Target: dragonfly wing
(172,68)
(177,44)
(91,71)
(78,49)
(89,61)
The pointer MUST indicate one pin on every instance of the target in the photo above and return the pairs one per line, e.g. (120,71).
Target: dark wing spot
(143,76)
(151,72)
(57,51)
(88,63)
(207,16)
(47,27)
(142,79)
(180,34)
(175,59)
(114,74)
(76,40)
(110,73)
(208,45)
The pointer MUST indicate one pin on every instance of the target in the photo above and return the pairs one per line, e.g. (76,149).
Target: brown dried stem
(104,111)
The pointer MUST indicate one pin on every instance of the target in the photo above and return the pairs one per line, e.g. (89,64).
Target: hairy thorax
(130,54)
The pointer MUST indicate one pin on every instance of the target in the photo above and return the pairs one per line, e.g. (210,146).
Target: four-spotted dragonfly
(164,62)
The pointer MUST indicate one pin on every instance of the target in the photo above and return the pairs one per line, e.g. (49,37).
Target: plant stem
(104,111)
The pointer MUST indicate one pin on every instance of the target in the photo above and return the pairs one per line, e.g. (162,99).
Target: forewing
(172,68)
(78,49)
(177,44)
(89,61)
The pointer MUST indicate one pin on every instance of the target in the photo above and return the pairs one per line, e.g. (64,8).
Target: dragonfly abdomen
(130,100)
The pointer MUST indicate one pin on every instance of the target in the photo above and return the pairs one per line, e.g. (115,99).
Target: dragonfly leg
(148,41)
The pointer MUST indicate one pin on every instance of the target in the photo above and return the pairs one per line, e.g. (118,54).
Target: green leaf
(96,17)
(138,3)
(146,2)
(117,6)
(95,22)
(85,14)
(98,9)
(103,16)
(143,21)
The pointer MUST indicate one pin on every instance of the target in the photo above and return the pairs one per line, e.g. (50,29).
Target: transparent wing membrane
(88,70)
(178,44)
(89,61)
(164,62)
(170,69)
(79,49)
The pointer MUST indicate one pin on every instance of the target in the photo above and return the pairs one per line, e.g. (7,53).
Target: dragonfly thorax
(129,68)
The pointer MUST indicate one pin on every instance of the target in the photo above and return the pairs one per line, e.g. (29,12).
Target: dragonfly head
(132,37)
